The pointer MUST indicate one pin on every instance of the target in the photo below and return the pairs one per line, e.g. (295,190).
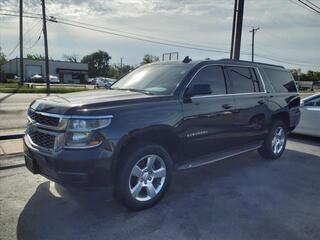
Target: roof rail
(267,64)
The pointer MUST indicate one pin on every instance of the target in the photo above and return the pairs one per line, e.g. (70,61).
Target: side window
(242,80)
(212,75)
(258,87)
(315,102)
(281,80)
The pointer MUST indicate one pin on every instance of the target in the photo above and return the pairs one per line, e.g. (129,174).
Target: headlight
(80,132)
(87,124)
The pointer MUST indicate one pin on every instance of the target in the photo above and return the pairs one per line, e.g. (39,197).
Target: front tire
(275,141)
(144,176)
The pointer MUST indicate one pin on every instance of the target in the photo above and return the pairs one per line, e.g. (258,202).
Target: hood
(62,104)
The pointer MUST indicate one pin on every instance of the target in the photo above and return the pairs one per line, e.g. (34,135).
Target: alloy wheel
(278,140)
(147,177)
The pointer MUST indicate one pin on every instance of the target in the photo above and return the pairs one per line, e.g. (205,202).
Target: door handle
(261,101)
(227,106)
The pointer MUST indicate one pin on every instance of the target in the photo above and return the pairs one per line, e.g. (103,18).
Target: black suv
(159,118)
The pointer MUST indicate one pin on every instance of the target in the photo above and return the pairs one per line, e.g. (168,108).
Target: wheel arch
(283,116)
(160,134)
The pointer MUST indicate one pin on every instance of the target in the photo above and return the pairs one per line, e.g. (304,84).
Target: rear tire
(144,176)
(275,142)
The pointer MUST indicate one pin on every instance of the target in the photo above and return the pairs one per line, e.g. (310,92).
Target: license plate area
(31,165)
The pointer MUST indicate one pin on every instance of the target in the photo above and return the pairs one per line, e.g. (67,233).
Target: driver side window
(212,76)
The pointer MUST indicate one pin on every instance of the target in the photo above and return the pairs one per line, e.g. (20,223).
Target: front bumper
(71,167)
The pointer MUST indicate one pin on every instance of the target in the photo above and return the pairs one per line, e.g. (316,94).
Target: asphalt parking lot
(243,197)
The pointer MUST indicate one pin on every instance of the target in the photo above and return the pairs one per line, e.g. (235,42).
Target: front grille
(42,139)
(43,119)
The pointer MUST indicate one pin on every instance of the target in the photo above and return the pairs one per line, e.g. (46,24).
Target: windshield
(154,79)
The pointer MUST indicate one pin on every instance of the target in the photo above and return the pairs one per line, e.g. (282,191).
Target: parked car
(91,81)
(37,78)
(104,82)
(17,78)
(161,117)
(54,79)
(310,115)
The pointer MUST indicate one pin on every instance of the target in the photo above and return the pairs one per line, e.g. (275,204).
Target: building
(68,72)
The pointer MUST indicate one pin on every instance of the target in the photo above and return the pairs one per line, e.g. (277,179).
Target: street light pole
(253,31)
(21,42)
(44,19)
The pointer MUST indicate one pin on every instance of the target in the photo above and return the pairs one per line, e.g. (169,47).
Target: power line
(137,35)
(313,4)
(37,40)
(285,61)
(33,31)
(144,39)
(16,46)
(180,45)
(309,6)
(12,51)
(134,36)
(16,11)
(296,3)
(16,15)
(53,19)
(187,47)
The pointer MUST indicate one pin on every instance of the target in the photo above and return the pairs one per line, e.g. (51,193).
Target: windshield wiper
(134,90)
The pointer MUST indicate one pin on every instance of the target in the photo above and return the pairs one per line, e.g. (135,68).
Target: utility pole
(237,29)
(44,19)
(21,43)
(253,31)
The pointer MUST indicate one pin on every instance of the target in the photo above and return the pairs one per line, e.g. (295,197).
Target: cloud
(287,30)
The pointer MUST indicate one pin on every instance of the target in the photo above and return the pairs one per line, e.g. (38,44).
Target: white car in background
(54,79)
(104,82)
(37,78)
(310,116)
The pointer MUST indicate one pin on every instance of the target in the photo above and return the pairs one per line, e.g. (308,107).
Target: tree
(98,63)
(2,57)
(72,58)
(148,58)
(117,72)
(309,76)
(35,56)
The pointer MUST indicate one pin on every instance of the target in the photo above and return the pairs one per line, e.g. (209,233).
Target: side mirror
(199,89)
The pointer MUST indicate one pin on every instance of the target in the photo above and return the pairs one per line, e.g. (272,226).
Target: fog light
(82,140)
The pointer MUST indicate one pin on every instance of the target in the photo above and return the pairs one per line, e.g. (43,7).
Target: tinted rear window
(282,81)
(241,79)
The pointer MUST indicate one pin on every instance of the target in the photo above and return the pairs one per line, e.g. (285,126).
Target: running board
(193,163)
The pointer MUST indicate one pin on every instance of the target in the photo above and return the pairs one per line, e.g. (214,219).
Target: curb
(11,136)
(11,155)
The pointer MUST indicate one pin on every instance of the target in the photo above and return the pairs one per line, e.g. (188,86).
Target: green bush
(16,88)
(10,75)
(11,81)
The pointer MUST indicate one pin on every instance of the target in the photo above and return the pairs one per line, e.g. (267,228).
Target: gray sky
(288,32)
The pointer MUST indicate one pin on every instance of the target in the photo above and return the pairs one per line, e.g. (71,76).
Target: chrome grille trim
(61,125)
(58,136)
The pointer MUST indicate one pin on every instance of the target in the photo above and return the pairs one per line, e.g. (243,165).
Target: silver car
(310,116)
